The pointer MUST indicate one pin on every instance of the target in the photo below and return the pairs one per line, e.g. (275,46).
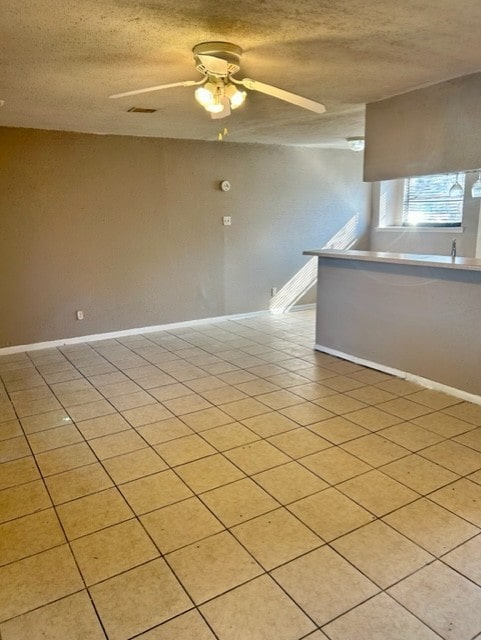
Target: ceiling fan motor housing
(230,53)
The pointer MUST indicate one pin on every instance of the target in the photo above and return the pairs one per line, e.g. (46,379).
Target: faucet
(453,249)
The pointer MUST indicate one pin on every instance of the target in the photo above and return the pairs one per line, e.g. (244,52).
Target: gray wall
(427,131)
(129,229)
(418,319)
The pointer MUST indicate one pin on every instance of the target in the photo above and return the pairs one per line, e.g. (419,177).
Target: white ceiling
(61,59)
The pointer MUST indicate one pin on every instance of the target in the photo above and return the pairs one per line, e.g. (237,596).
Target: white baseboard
(36,346)
(302,307)
(411,377)
(125,332)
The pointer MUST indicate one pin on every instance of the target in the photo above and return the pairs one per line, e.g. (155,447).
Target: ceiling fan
(218,91)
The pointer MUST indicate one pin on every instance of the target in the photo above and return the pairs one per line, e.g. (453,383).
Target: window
(427,202)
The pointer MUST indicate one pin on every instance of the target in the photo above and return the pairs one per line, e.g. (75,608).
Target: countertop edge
(413,259)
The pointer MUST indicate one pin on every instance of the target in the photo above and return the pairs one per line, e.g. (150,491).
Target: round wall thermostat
(225,185)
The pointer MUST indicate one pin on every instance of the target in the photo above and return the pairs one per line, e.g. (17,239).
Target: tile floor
(227,482)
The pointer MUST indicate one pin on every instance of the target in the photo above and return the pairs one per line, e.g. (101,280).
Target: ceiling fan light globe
(204,96)
(237,99)
(235,95)
(215,107)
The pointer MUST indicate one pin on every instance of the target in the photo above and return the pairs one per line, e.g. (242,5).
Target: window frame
(389,206)
(435,196)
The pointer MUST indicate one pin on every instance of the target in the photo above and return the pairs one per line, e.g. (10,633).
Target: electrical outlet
(227,221)
(80,315)
(273,291)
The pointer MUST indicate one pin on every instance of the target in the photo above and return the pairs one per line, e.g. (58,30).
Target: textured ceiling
(61,59)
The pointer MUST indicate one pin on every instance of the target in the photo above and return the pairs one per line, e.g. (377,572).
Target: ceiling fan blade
(186,83)
(225,111)
(215,66)
(287,96)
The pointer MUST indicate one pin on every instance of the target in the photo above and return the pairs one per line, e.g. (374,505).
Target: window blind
(427,202)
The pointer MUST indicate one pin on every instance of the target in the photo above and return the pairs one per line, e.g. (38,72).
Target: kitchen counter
(416,316)
(443,262)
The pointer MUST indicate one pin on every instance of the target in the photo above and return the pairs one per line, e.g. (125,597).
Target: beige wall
(427,131)
(129,229)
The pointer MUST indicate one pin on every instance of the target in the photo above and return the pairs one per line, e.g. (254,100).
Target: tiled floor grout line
(135,517)
(323,542)
(297,460)
(67,542)
(383,591)
(434,559)
(227,530)
(280,506)
(417,452)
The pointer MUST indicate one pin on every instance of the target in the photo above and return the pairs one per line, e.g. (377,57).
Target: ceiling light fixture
(221,92)
(218,94)
(205,95)
(456,190)
(235,96)
(216,107)
(355,143)
(476,188)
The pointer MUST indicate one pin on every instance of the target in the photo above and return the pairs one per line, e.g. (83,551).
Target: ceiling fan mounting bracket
(230,53)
